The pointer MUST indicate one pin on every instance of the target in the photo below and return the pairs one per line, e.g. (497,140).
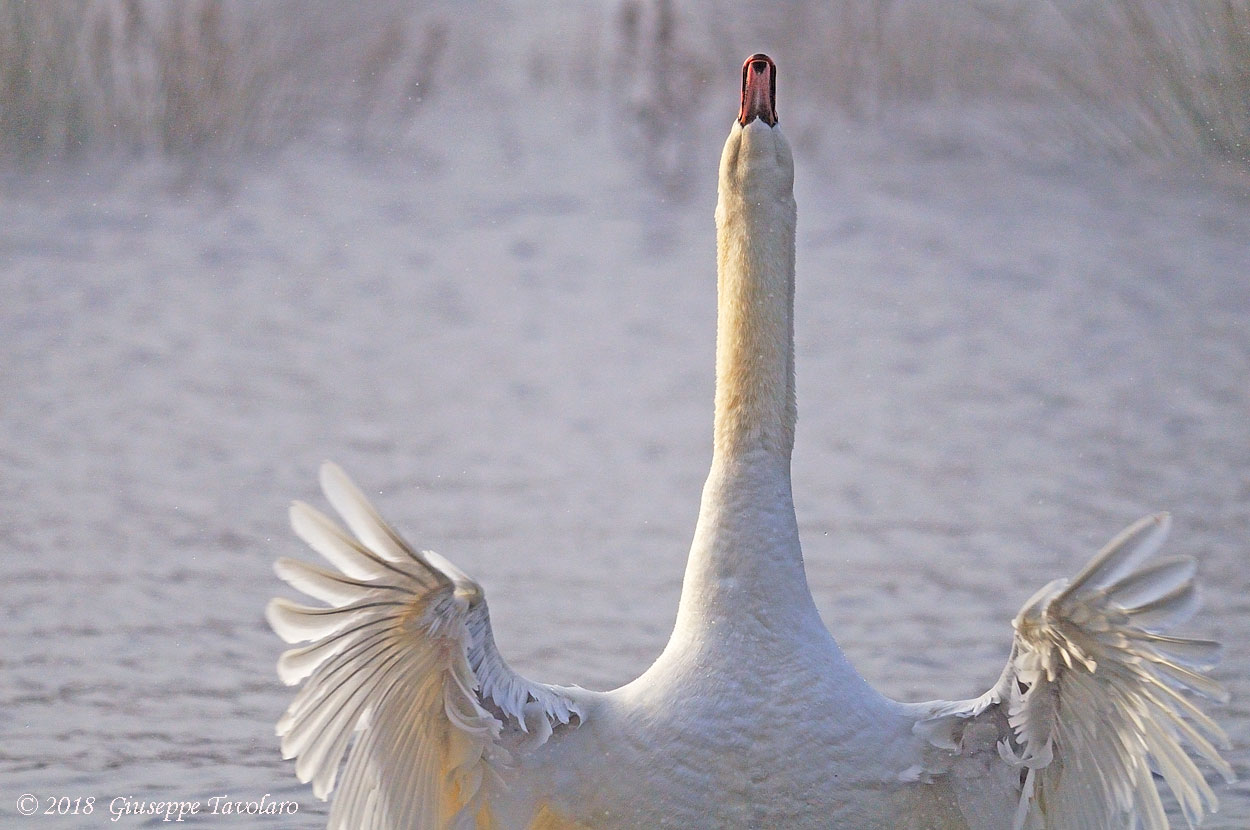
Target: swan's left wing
(1090,704)
(403,662)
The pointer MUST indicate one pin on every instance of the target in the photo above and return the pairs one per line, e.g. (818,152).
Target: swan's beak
(759,91)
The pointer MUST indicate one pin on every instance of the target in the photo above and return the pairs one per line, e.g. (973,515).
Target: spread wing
(401,659)
(1092,702)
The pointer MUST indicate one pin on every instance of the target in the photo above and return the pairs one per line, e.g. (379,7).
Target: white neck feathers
(755,220)
(746,566)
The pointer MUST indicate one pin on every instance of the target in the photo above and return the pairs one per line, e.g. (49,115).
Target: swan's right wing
(402,660)
(1090,704)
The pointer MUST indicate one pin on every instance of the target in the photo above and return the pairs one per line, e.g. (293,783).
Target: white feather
(1092,697)
(404,662)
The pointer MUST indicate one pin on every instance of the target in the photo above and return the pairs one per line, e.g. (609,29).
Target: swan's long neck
(746,613)
(755,405)
(746,566)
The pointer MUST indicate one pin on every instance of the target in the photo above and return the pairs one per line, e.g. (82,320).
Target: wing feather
(1152,582)
(1095,695)
(370,528)
(400,667)
(321,534)
(1119,557)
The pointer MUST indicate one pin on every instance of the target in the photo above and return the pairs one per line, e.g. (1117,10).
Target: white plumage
(1091,694)
(751,717)
(404,654)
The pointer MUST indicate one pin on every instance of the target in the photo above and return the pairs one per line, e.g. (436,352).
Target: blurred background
(1133,77)
(466,250)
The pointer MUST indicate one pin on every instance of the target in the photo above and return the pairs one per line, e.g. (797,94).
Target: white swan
(751,717)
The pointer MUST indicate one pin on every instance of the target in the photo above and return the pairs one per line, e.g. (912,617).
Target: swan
(751,716)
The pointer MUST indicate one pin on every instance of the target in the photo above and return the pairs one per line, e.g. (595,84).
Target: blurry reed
(1139,76)
(131,75)
(194,76)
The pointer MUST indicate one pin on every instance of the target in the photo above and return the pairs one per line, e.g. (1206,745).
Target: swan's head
(757,164)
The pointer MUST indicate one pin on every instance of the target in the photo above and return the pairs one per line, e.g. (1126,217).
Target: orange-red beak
(759,91)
